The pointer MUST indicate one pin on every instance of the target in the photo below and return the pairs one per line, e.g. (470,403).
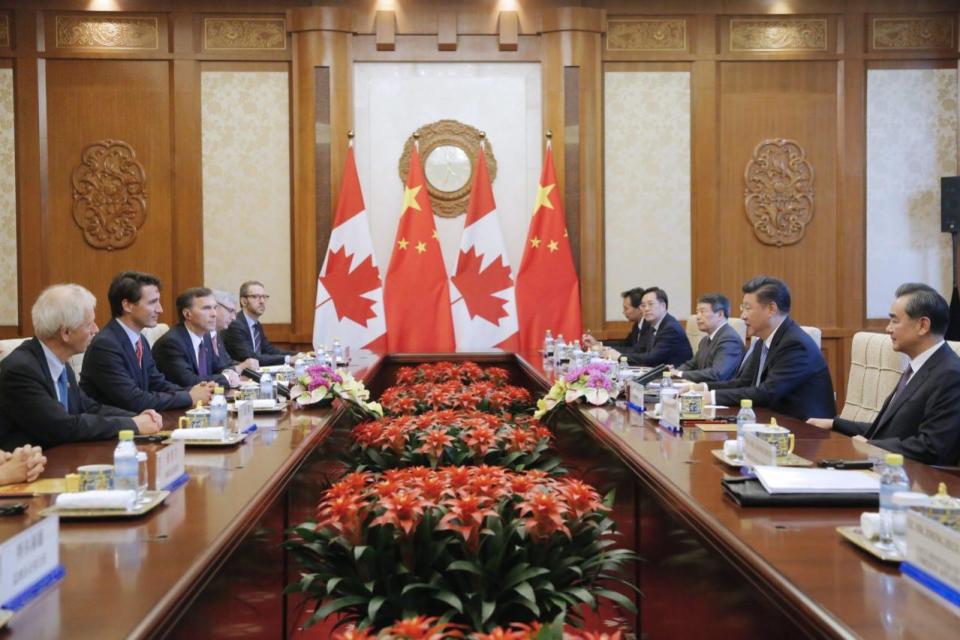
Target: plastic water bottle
(548,345)
(337,355)
(744,416)
(218,408)
(668,393)
(126,469)
(266,387)
(299,368)
(893,518)
(559,347)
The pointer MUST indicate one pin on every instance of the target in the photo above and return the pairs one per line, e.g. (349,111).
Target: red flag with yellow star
(416,295)
(547,289)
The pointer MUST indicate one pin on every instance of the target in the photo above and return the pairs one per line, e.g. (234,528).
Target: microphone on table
(256,375)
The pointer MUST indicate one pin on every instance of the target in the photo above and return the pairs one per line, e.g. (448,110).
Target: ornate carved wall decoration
(647,35)
(111,32)
(779,192)
(244,33)
(448,150)
(778,34)
(109,195)
(4,30)
(914,32)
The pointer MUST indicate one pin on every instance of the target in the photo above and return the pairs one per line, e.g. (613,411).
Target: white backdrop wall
(392,100)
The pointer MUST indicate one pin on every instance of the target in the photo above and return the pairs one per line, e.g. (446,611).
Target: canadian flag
(349,293)
(484,305)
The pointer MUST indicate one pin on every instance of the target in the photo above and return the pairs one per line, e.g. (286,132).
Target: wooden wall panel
(92,100)
(769,100)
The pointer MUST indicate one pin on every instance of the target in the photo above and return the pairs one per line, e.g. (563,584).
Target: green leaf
(583,595)
(619,598)
(525,590)
(450,599)
(338,604)
(486,610)
(358,551)
(332,583)
(374,606)
(465,565)
(515,577)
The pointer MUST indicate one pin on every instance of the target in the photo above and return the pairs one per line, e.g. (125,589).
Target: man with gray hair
(721,350)
(226,313)
(40,401)
(920,418)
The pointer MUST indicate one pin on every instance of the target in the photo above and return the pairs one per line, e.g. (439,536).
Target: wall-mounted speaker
(950,204)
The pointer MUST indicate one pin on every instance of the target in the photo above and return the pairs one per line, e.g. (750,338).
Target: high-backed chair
(152,335)
(7,346)
(694,335)
(816,334)
(875,370)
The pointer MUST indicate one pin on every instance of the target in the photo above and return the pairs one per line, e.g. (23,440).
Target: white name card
(757,452)
(934,548)
(170,465)
(635,396)
(244,415)
(26,559)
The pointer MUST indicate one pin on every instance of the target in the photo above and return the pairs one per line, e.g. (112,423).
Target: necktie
(63,389)
(257,337)
(202,360)
(904,380)
(140,352)
(763,361)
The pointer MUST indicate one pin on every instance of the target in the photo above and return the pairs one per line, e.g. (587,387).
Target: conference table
(208,563)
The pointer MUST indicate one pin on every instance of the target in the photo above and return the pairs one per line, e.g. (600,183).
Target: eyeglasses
(258,296)
(225,307)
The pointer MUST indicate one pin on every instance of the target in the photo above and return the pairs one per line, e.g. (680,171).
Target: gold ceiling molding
(913,32)
(4,30)
(107,32)
(778,34)
(647,35)
(109,194)
(779,192)
(448,150)
(221,33)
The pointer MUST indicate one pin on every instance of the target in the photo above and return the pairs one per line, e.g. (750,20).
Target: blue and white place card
(170,472)
(30,563)
(244,415)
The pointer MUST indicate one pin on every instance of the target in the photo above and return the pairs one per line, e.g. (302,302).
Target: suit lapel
(47,376)
(187,342)
(892,405)
(782,330)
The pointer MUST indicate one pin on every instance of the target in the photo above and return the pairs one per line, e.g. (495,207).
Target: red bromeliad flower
(516,631)
(581,498)
(355,634)
(421,628)
(465,515)
(343,514)
(593,635)
(434,442)
(480,440)
(543,514)
(403,510)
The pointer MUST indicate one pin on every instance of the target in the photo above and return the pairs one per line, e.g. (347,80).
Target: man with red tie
(119,368)
(187,354)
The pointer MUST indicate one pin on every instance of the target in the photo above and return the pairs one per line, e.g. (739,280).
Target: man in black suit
(785,371)
(721,350)
(920,418)
(633,312)
(245,337)
(661,340)
(40,402)
(119,368)
(185,354)
(226,313)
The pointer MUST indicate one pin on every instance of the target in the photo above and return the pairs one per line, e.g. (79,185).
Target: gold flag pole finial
(350,134)
(483,135)
(416,139)
(549,134)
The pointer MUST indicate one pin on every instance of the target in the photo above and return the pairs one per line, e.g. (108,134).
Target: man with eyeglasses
(226,313)
(245,338)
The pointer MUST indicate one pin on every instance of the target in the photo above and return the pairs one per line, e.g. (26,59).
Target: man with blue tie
(186,354)
(40,402)
(119,368)
(920,418)
(245,337)
(785,370)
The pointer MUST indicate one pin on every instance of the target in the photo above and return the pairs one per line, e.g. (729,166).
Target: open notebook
(800,480)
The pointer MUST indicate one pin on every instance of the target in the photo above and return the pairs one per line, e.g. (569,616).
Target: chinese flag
(349,295)
(484,306)
(416,293)
(548,292)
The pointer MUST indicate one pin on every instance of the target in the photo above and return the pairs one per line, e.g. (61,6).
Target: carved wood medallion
(244,33)
(448,150)
(109,195)
(647,35)
(114,32)
(913,32)
(778,34)
(779,192)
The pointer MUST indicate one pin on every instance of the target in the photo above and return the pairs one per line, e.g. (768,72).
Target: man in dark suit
(119,368)
(920,418)
(661,340)
(226,313)
(721,350)
(633,312)
(785,371)
(40,402)
(185,354)
(245,337)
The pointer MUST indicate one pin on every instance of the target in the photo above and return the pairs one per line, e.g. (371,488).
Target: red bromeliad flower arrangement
(463,372)
(431,628)
(433,396)
(481,545)
(445,438)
